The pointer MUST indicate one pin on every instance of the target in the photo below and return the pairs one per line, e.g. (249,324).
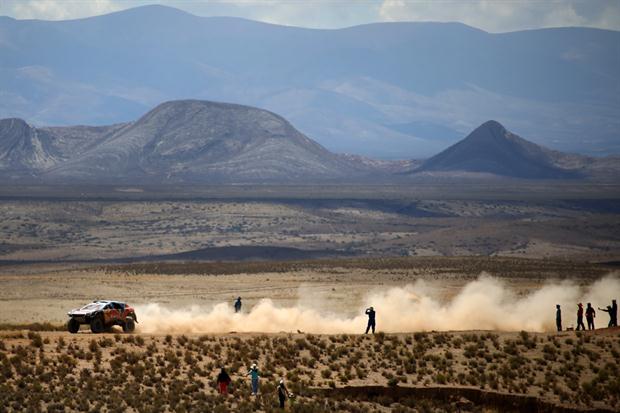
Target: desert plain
(463,285)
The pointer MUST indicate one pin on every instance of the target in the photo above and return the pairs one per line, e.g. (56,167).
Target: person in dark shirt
(580,317)
(610,311)
(238,304)
(558,317)
(590,314)
(283,393)
(370,312)
(614,313)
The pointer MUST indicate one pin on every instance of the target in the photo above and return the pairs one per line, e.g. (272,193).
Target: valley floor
(534,220)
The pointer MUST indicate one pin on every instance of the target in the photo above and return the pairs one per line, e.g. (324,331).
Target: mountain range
(179,141)
(193,141)
(384,90)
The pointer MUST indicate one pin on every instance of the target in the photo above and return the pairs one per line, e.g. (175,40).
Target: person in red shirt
(223,380)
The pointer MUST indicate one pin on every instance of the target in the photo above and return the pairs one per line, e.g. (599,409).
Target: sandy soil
(176,373)
(466,371)
(42,293)
(47,297)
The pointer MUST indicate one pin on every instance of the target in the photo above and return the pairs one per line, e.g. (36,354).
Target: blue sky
(489,15)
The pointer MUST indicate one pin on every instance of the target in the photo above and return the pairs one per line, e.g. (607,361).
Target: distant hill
(178,141)
(492,149)
(194,141)
(395,90)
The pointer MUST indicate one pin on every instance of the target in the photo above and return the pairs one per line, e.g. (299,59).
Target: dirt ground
(414,372)
(96,230)
(44,293)
(418,372)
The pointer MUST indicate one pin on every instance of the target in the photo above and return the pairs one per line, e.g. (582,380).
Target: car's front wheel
(73,326)
(96,325)
(129,326)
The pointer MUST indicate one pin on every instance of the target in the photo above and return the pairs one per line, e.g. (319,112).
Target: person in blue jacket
(253,373)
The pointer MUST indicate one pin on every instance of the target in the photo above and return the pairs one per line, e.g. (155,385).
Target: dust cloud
(484,304)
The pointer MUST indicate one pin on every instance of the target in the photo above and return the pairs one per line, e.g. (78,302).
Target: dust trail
(486,303)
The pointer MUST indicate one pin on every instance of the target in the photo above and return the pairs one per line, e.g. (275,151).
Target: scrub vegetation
(52,371)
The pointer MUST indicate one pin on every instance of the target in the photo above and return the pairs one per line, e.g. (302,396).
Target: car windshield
(91,306)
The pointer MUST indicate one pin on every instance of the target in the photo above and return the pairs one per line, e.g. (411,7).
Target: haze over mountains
(207,142)
(386,90)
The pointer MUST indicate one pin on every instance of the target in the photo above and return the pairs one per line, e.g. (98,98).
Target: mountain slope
(346,88)
(191,140)
(490,148)
(29,151)
(24,149)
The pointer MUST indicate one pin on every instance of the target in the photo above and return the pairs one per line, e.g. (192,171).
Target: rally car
(101,315)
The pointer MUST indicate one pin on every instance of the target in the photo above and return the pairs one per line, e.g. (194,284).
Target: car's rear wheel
(73,326)
(96,325)
(129,326)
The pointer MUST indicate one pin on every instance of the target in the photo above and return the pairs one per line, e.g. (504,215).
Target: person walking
(590,314)
(223,380)
(370,312)
(253,373)
(609,310)
(238,305)
(614,313)
(558,317)
(283,393)
(580,317)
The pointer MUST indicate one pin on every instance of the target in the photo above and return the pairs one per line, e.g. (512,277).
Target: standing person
(614,313)
(370,312)
(590,314)
(282,393)
(558,317)
(253,373)
(238,305)
(580,317)
(223,380)
(610,311)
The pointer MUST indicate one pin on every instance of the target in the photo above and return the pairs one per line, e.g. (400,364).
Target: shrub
(35,339)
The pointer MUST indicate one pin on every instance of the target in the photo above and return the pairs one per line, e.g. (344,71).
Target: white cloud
(506,15)
(303,13)
(490,15)
(58,9)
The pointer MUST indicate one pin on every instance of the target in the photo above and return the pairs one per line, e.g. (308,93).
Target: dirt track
(39,293)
